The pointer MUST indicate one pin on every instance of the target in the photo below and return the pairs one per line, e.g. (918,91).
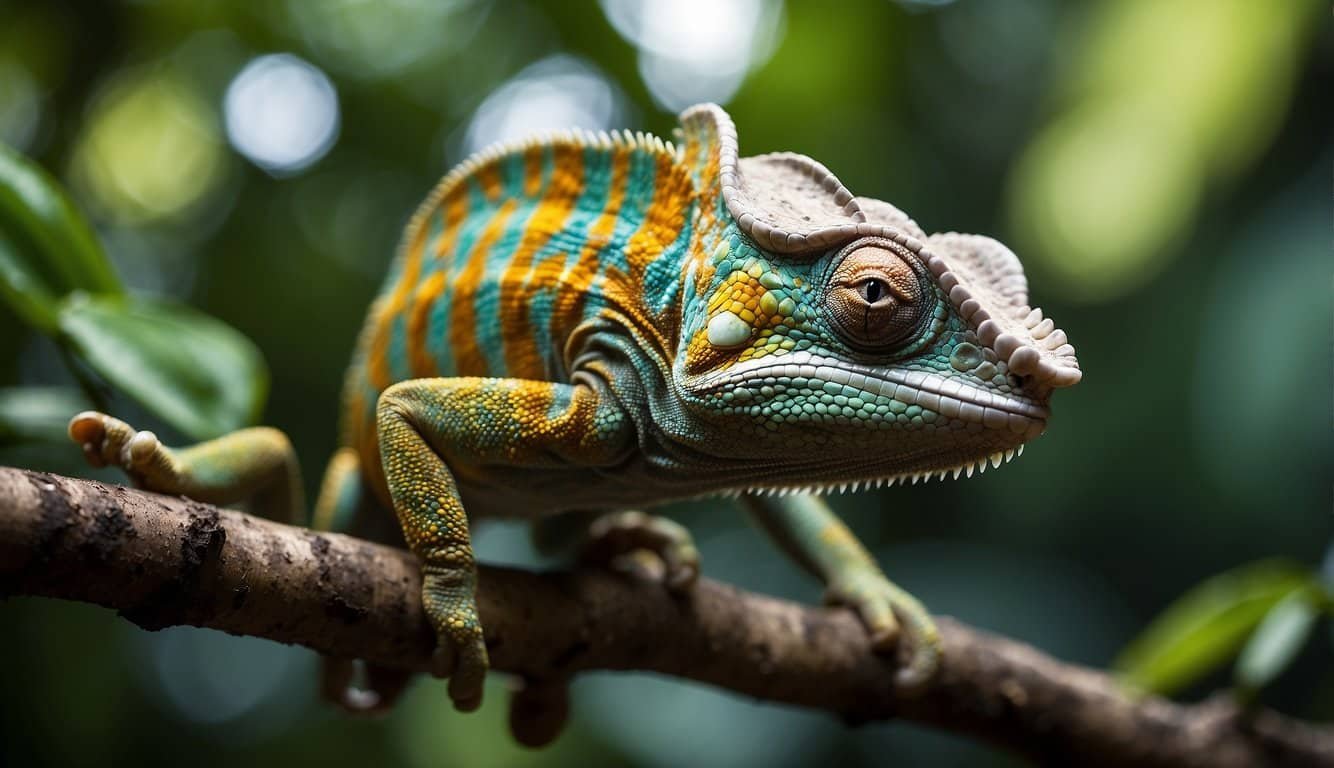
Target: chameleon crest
(581,326)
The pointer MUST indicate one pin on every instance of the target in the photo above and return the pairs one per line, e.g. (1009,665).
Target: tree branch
(161,561)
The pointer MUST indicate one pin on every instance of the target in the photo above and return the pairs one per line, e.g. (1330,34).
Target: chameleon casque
(595,324)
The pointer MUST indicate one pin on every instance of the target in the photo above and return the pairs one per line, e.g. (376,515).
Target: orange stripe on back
(489,177)
(455,208)
(520,279)
(664,219)
(388,308)
(569,306)
(423,365)
(662,223)
(532,171)
(468,359)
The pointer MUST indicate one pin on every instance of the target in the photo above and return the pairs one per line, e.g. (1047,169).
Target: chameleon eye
(877,296)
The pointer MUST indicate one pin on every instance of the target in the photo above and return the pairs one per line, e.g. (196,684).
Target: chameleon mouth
(949,396)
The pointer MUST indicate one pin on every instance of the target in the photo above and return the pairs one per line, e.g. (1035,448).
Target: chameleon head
(835,340)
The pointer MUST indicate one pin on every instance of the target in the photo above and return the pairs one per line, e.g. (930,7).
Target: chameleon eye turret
(878,295)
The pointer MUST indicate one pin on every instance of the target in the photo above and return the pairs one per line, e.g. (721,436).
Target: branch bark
(162,561)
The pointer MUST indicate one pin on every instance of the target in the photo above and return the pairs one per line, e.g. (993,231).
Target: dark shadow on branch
(161,561)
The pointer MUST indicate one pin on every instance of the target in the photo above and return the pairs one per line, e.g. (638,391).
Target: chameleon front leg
(809,531)
(428,425)
(256,465)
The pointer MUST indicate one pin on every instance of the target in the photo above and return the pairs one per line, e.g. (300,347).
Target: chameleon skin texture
(600,323)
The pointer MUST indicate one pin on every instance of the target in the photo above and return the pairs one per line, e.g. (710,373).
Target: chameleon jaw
(950,397)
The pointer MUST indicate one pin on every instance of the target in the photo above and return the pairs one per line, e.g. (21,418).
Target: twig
(161,561)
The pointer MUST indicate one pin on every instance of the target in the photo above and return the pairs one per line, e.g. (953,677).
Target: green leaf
(23,289)
(51,242)
(197,373)
(1204,628)
(38,414)
(1275,643)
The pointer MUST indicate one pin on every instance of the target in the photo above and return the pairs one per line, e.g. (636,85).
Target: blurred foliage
(1266,607)
(1160,165)
(47,249)
(1158,100)
(37,414)
(196,373)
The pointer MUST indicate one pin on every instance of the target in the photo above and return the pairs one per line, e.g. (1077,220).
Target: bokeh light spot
(697,50)
(374,39)
(1103,195)
(556,93)
(282,113)
(150,148)
(1162,100)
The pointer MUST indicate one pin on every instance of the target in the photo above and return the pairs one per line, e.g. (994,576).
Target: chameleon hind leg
(431,428)
(254,465)
(342,495)
(812,534)
(629,540)
(632,541)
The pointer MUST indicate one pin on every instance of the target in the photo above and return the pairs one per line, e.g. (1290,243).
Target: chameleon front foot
(460,652)
(886,609)
(619,535)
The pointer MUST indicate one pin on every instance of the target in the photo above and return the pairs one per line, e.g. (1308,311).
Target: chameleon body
(595,323)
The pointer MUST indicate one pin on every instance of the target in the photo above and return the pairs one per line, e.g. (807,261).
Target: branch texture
(162,561)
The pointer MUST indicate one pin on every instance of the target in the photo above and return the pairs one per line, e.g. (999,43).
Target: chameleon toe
(86,428)
(538,711)
(141,447)
(614,536)
(922,665)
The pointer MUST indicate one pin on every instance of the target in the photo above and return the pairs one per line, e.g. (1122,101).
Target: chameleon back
(514,252)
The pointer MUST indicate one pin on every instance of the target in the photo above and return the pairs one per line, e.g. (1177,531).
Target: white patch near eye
(727,330)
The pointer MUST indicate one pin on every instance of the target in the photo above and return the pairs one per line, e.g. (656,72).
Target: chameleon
(582,326)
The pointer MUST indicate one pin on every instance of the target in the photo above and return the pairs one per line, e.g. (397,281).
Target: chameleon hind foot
(381,689)
(619,539)
(538,710)
(108,441)
(893,618)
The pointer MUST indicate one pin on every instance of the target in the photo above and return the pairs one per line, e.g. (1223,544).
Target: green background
(1162,168)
